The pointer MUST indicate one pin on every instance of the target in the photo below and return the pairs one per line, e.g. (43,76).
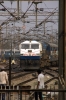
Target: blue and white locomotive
(30,50)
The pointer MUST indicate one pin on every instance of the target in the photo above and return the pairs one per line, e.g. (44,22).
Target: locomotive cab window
(34,46)
(25,46)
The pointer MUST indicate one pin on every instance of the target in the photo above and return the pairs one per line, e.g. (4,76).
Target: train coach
(14,53)
(52,50)
(50,54)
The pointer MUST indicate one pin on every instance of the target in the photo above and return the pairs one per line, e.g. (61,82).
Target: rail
(21,93)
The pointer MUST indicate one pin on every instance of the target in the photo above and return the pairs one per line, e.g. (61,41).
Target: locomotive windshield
(34,46)
(25,46)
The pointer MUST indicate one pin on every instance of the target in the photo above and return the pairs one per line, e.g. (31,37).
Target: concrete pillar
(65,44)
(65,41)
(62,43)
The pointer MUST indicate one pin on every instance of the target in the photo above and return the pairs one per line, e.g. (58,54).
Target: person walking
(3,81)
(40,84)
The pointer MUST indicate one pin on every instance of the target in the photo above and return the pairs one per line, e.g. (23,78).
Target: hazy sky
(24,6)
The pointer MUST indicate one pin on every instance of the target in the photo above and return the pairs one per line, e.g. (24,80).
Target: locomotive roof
(53,45)
(29,42)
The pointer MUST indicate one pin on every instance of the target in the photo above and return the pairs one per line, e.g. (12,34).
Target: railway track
(22,77)
(26,79)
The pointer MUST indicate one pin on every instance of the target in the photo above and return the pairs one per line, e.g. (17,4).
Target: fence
(19,93)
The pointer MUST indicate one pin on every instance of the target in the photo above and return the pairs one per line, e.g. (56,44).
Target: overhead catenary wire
(8,11)
(42,21)
(34,27)
(13,14)
(27,9)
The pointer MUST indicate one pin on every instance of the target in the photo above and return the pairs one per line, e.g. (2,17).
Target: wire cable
(27,9)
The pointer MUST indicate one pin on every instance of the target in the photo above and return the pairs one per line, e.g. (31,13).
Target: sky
(47,6)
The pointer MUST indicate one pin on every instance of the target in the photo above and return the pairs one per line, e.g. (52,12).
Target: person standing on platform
(3,81)
(40,85)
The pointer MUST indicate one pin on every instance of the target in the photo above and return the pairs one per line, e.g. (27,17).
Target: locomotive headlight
(38,54)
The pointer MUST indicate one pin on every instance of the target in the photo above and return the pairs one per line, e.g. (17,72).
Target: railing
(20,93)
(62,82)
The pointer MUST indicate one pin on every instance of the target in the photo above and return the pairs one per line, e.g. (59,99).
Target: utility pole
(9,70)
(1,1)
(18,9)
(36,2)
(44,28)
